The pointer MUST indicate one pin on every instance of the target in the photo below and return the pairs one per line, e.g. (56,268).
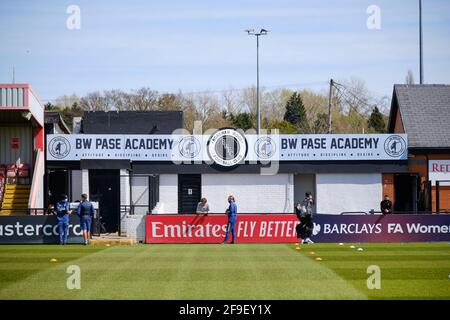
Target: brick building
(423,113)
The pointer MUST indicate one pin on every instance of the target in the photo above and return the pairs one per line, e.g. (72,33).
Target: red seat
(23,170)
(11,170)
(23,173)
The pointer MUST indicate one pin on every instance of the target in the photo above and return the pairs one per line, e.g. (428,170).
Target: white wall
(124,188)
(254,193)
(134,227)
(168,193)
(336,193)
(124,201)
(36,108)
(140,193)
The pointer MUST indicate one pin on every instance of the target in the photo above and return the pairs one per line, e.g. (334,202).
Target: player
(304,212)
(232,217)
(85,211)
(62,214)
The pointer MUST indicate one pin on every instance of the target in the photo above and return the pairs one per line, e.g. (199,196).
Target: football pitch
(213,271)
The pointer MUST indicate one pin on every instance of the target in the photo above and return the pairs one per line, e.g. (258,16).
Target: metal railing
(131,209)
(35,211)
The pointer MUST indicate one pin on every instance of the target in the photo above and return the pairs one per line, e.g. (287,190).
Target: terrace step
(17,187)
(7,212)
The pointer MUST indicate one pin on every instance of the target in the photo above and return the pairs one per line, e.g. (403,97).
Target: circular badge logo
(227,147)
(59,147)
(395,146)
(265,147)
(189,147)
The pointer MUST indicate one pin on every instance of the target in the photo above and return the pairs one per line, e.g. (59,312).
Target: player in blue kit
(62,214)
(232,217)
(85,211)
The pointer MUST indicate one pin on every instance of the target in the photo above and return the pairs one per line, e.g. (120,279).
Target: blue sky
(200,45)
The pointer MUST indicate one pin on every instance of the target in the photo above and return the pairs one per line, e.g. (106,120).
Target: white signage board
(439,170)
(227,147)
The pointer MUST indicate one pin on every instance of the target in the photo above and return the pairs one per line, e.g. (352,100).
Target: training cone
(352,247)
(312,253)
(360,249)
(108,245)
(53,260)
(318,259)
(341,244)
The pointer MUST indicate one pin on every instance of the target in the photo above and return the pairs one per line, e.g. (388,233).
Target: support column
(85,181)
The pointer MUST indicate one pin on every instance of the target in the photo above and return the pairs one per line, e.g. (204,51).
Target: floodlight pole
(420,43)
(258,112)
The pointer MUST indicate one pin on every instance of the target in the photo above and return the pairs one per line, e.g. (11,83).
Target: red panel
(15,143)
(40,138)
(212,228)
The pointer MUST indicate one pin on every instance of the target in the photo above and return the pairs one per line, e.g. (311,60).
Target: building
(21,149)
(128,162)
(119,190)
(422,112)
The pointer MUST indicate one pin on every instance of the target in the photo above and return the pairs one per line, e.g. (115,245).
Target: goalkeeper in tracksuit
(304,212)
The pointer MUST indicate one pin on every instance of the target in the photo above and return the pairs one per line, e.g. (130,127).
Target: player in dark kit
(386,205)
(85,211)
(304,211)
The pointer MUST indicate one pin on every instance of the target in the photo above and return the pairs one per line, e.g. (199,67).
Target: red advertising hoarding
(212,228)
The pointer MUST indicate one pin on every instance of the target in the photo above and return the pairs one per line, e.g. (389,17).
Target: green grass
(242,271)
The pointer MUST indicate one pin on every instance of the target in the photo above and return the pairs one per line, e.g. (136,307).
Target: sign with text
(438,170)
(37,229)
(227,147)
(280,228)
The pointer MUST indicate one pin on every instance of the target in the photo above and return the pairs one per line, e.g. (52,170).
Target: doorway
(104,187)
(189,192)
(304,183)
(407,189)
(58,184)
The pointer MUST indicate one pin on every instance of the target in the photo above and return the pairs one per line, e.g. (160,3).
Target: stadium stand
(14,196)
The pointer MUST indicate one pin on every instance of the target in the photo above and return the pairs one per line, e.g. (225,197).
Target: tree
(95,101)
(321,123)
(296,113)
(284,126)
(69,113)
(143,99)
(376,121)
(50,106)
(242,121)
(409,77)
